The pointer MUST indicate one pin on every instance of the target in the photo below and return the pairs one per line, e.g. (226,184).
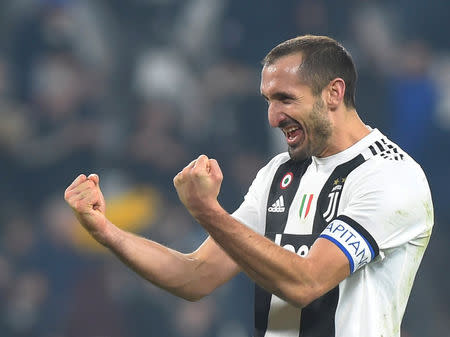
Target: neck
(348,129)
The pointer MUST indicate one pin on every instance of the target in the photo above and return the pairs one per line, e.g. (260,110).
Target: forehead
(283,72)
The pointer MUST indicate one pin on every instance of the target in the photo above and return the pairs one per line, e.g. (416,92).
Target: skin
(328,127)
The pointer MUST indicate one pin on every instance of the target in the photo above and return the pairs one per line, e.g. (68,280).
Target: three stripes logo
(386,150)
(305,205)
(277,206)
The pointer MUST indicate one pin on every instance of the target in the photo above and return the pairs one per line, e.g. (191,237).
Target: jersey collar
(351,152)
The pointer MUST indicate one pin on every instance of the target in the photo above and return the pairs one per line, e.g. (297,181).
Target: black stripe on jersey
(361,230)
(390,146)
(318,317)
(377,143)
(262,307)
(373,150)
(339,174)
(276,221)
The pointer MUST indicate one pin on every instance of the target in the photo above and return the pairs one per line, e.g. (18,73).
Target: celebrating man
(332,232)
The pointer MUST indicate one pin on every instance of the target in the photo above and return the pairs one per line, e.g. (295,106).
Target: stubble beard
(319,133)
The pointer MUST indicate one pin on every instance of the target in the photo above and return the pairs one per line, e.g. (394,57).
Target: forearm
(190,276)
(298,280)
(181,274)
(277,270)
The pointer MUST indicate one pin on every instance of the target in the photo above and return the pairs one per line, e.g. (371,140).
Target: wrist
(108,236)
(208,215)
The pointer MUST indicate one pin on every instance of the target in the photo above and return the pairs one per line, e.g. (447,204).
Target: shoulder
(399,175)
(388,194)
(278,160)
(387,166)
(394,193)
(265,175)
(272,166)
(252,211)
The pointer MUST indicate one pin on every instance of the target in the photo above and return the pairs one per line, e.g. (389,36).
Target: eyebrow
(280,95)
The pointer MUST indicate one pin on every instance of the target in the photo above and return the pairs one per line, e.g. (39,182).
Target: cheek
(272,118)
(319,121)
(275,113)
(304,116)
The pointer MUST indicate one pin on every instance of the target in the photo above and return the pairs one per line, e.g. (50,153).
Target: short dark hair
(323,59)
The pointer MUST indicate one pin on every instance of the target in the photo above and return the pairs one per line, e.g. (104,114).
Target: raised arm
(298,280)
(190,276)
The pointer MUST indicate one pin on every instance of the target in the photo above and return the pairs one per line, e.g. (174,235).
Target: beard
(319,132)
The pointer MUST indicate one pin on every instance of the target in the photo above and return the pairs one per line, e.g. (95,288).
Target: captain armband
(354,241)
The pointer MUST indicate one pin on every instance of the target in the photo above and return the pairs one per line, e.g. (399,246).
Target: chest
(303,200)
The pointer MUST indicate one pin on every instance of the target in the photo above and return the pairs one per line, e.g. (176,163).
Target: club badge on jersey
(286,180)
(334,197)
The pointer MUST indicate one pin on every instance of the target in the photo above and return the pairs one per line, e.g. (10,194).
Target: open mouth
(294,134)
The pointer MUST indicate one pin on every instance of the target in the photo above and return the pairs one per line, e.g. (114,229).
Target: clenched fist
(86,200)
(198,185)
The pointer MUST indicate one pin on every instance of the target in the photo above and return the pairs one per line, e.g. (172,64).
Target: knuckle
(177,179)
(219,176)
(67,195)
(75,205)
(79,206)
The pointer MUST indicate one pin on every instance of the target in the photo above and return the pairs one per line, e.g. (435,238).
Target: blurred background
(134,90)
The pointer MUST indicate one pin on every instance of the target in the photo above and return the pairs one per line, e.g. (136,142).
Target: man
(332,232)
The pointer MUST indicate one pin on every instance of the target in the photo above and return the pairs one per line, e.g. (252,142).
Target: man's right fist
(86,200)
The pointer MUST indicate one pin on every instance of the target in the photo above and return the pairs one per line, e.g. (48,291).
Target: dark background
(134,90)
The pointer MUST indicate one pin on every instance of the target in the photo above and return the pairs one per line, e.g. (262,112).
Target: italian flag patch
(305,205)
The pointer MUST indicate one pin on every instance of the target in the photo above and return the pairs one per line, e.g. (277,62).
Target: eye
(284,98)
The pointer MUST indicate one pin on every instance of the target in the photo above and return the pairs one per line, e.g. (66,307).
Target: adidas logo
(277,206)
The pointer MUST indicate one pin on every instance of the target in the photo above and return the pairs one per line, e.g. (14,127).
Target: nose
(275,114)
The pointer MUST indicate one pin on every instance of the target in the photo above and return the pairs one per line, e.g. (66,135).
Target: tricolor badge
(306,205)
(286,181)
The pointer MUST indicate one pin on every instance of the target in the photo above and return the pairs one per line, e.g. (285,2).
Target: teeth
(292,128)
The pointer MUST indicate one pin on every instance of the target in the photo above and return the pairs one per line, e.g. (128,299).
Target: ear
(334,93)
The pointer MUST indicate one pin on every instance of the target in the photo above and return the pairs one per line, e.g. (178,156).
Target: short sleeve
(252,210)
(384,204)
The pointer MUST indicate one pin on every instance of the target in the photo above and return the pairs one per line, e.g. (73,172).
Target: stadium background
(133,90)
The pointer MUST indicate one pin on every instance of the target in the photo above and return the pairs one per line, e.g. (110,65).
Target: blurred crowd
(134,90)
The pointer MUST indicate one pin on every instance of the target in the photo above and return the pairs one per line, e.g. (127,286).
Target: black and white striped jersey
(373,201)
